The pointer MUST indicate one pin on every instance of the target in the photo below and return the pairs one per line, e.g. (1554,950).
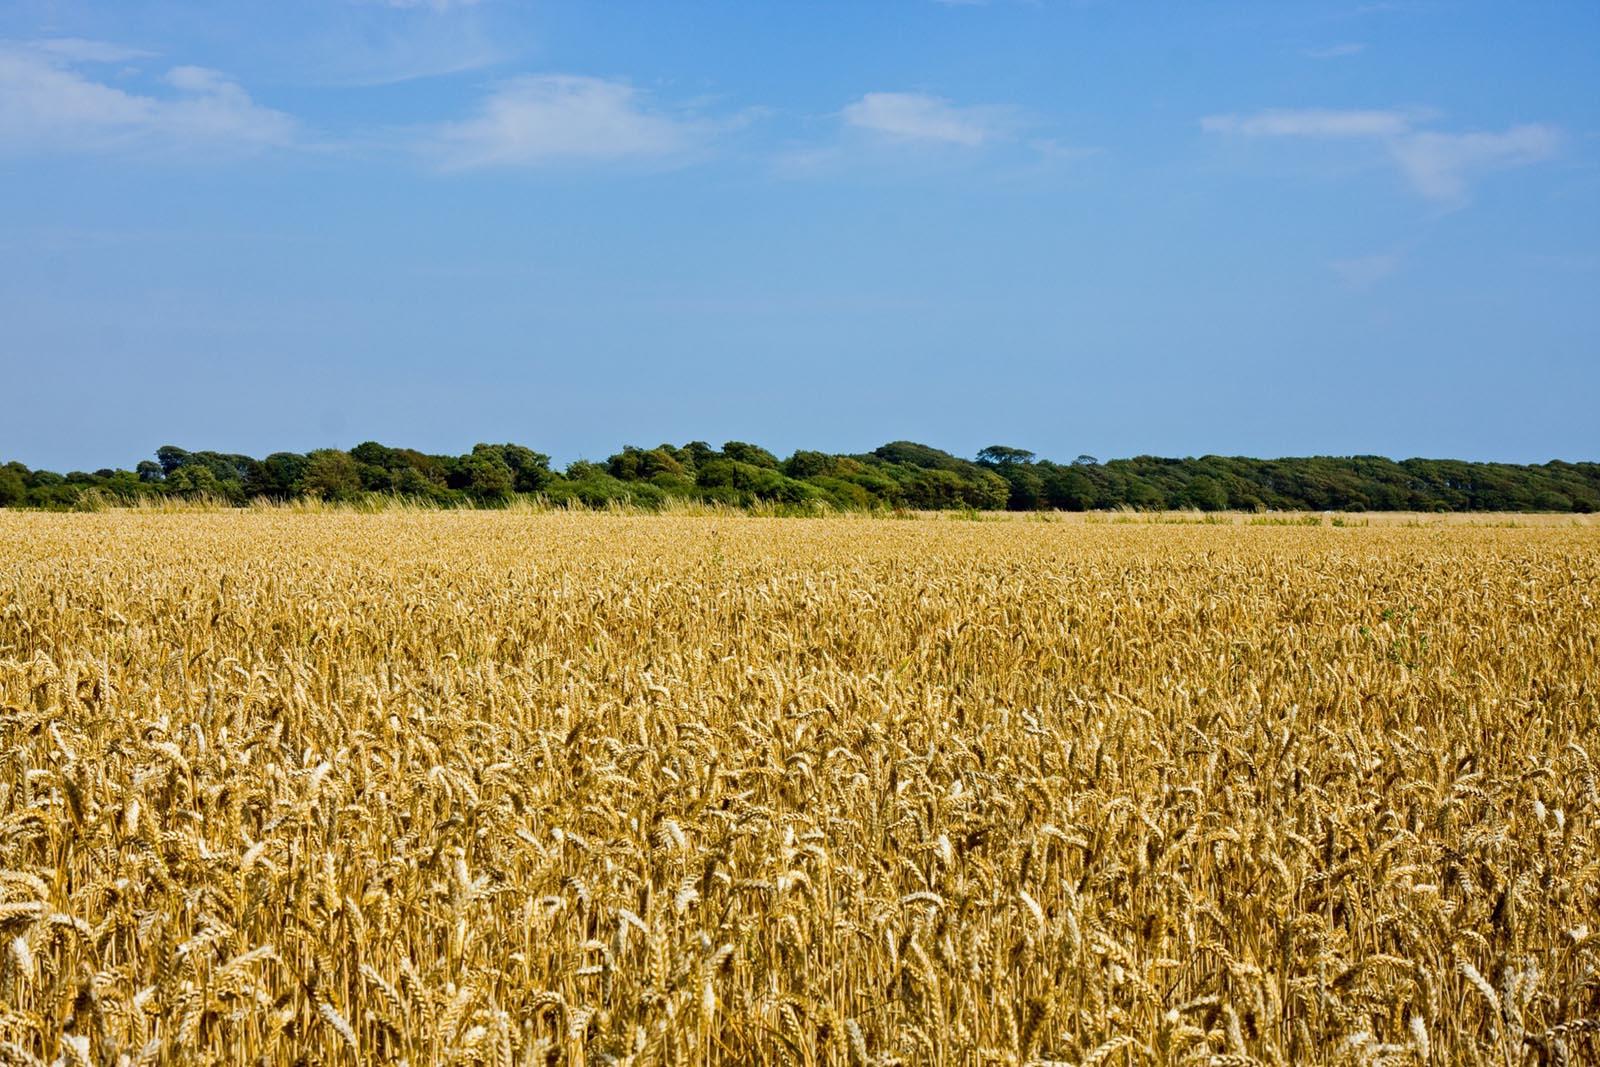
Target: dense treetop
(901,474)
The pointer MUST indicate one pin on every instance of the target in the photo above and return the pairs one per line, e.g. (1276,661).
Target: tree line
(899,475)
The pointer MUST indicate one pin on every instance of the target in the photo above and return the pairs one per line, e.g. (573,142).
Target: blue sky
(1105,227)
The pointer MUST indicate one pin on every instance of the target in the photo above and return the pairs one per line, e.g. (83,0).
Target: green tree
(195,479)
(808,465)
(409,481)
(530,470)
(636,464)
(372,454)
(374,479)
(755,455)
(171,457)
(697,453)
(1004,455)
(716,472)
(283,474)
(13,490)
(490,478)
(331,473)
(1026,486)
(912,454)
(1207,494)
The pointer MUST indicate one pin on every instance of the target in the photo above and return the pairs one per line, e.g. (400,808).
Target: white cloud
(1311,122)
(1363,272)
(46,105)
(882,132)
(920,117)
(392,41)
(1438,165)
(1337,51)
(201,80)
(399,50)
(80,50)
(546,119)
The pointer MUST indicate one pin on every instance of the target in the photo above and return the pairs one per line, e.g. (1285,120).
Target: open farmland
(509,788)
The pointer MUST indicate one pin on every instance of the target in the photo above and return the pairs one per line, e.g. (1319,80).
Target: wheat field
(456,788)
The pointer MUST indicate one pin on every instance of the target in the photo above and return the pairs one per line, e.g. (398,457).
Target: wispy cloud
(891,133)
(1438,165)
(434,5)
(551,119)
(921,117)
(1312,122)
(1364,272)
(1053,150)
(1337,51)
(81,50)
(47,104)
(387,51)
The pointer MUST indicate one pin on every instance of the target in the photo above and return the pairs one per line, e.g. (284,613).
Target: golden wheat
(292,787)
